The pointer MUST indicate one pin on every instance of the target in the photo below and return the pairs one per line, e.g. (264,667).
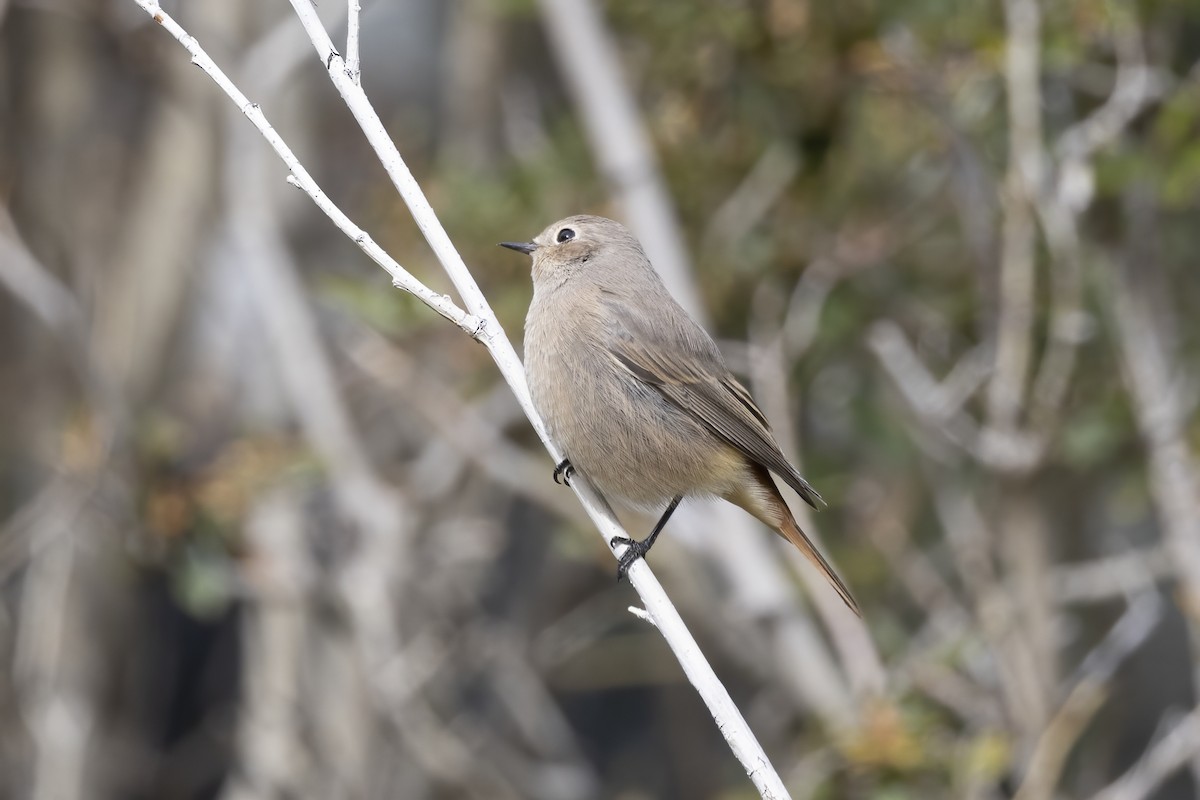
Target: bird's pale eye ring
(565,235)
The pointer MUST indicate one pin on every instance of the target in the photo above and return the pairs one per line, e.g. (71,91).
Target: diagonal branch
(481,323)
(353,11)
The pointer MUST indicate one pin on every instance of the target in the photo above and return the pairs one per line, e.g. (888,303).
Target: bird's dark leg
(565,470)
(636,549)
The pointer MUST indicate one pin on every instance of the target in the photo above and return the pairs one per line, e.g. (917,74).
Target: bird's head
(578,245)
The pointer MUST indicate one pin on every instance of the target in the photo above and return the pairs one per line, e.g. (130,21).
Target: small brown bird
(637,394)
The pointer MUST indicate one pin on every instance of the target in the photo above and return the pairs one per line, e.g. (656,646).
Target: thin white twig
(300,177)
(481,323)
(401,278)
(488,332)
(641,614)
(353,9)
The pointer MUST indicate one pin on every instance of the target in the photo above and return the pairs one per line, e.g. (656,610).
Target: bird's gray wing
(694,379)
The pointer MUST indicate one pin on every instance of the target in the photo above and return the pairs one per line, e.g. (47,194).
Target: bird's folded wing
(717,400)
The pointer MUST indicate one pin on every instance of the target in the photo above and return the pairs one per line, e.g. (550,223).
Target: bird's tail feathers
(791,531)
(802,487)
(759,495)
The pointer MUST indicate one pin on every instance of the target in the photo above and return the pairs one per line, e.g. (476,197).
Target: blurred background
(270,528)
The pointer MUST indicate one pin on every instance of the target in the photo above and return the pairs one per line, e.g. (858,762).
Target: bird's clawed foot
(633,551)
(565,471)
(634,548)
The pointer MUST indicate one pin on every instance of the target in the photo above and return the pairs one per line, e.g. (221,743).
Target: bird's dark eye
(565,235)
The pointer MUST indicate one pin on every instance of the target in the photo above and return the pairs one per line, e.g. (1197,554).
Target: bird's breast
(631,443)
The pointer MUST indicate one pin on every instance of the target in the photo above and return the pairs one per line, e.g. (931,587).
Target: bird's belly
(630,442)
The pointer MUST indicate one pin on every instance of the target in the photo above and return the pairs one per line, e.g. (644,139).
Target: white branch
(641,614)
(300,177)
(481,323)
(352,64)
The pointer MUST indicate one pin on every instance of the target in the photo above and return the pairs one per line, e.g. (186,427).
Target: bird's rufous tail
(790,530)
(759,495)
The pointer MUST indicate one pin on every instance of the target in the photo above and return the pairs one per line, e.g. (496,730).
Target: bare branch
(1059,207)
(301,178)
(939,405)
(754,197)
(353,10)
(1154,383)
(33,285)
(1014,332)
(970,542)
(1110,576)
(488,331)
(1170,754)
(1137,85)
(802,321)
(1060,735)
(1086,697)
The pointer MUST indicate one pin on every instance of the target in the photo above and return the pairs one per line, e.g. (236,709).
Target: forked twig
(480,322)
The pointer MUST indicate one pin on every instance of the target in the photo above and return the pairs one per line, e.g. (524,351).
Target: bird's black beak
(520,247)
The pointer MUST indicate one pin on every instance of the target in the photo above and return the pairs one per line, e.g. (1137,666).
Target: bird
(637,395)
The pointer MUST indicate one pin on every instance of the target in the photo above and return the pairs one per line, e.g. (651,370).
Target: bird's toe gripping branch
(564,470)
